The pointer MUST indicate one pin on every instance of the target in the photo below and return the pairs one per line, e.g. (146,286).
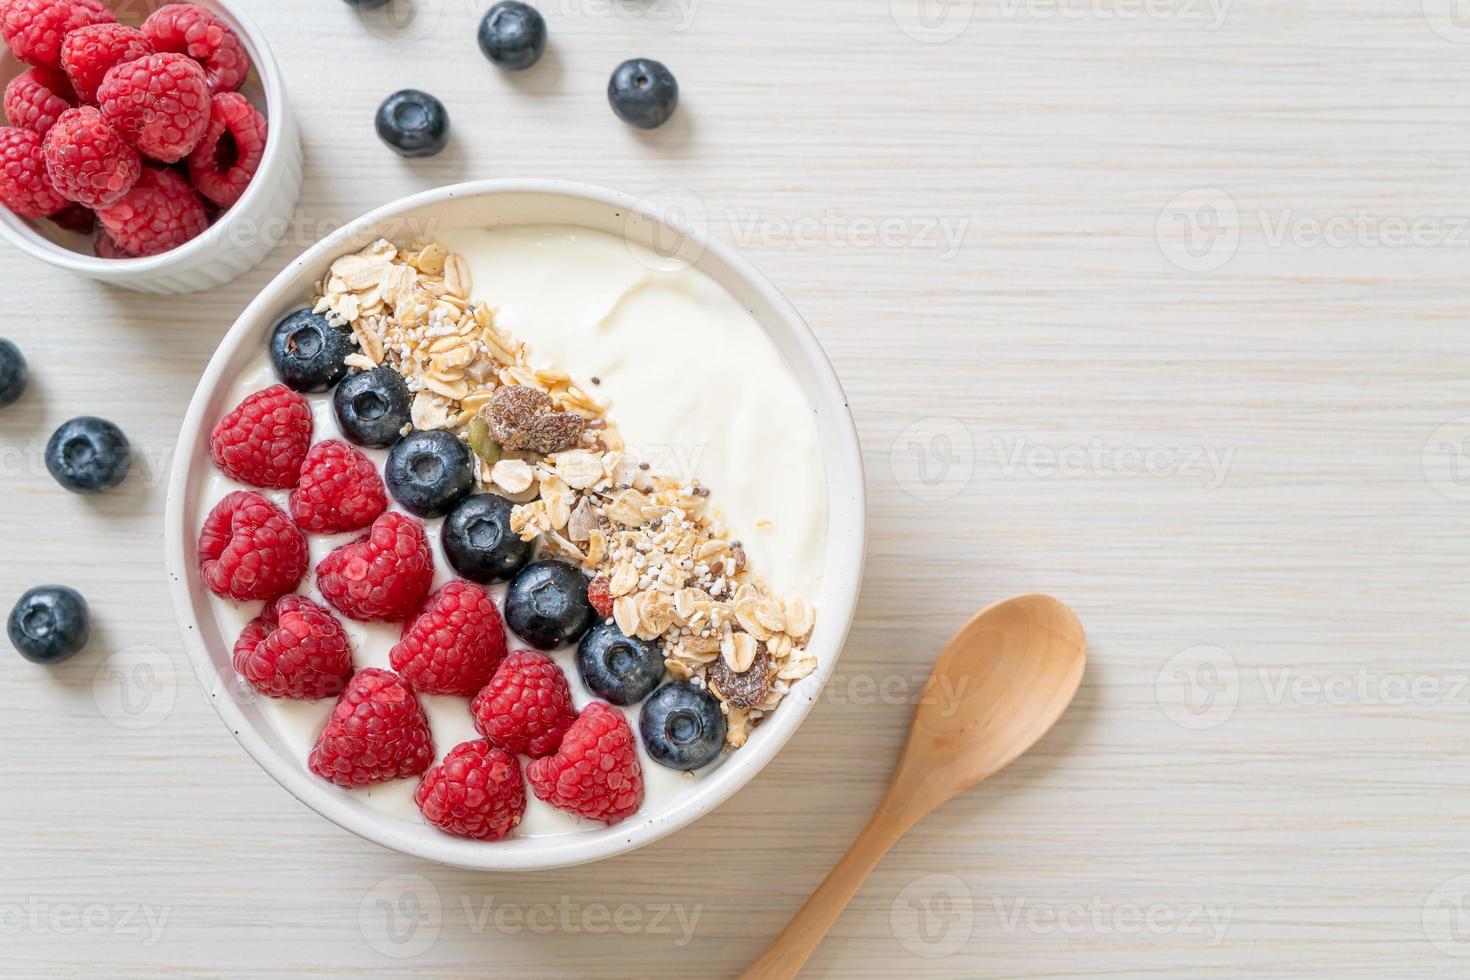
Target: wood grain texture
(1237,472)
(999,685)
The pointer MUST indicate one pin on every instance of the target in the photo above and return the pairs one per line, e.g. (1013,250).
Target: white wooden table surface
(1155,305)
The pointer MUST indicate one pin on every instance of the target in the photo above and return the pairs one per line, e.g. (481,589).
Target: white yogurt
(693,382)
(593,306)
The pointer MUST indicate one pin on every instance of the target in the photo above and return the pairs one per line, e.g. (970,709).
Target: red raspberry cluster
(452,644)
(107,109)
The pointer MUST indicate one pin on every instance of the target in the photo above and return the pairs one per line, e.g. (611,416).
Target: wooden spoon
(999,685)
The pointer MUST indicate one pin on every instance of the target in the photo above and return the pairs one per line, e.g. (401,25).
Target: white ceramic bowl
(242,236)
(490,204)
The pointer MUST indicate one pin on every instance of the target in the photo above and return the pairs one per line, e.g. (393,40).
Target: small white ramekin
(234,244)
(491,204)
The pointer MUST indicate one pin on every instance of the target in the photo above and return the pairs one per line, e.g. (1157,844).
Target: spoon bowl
(998,686)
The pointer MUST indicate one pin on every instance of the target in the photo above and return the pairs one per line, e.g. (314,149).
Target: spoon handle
(785,956)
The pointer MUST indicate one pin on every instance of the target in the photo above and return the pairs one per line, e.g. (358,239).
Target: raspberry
(595,774)
(377,732)
(249,549)
(264,440)
(160,213)
(87,55)
(454,643)
(76,218)
(294,649)
(475,792)
(226,159)
(107,247)
(198,33)
(34,29)
(24,186)
(599,594)
(382,576)
(527,706)
(340,490)
(159,102)
(35,99)
(89,162)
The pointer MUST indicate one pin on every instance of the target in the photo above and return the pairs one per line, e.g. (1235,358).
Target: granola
(674,571)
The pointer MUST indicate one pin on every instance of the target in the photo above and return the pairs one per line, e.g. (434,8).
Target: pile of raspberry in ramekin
(136,135)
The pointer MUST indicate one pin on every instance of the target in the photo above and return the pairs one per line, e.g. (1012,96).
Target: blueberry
(372,407)
(13,373)
(479,543)
(682,726)
(513,35)
(413,123)
(88,455)
(618,668)
(308,353)
(547,605)
(368,4)
(643,93)
(429,472)
(49,624)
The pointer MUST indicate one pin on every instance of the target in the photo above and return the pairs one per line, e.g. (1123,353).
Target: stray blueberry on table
(372,407)
(682,726)
(13,373)
(429,472)
(618,668)
(547,605)
(88,455)
(308,353)
(513,35)
(643,93)
(479,543)
(49,624)
(413,123)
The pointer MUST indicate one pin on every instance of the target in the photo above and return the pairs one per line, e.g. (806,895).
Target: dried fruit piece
(553,432)
(511,411)
(520,417)
(600,597)
(744,690)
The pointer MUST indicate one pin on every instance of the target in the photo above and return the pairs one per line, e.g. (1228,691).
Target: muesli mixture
(664,565)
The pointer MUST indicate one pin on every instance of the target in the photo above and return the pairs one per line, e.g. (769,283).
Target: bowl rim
(845,557)
(19,232)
